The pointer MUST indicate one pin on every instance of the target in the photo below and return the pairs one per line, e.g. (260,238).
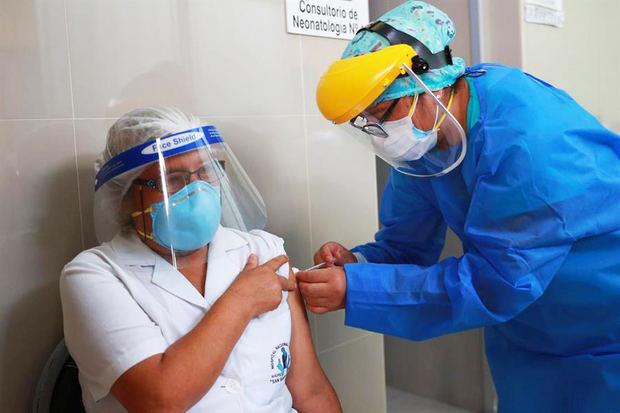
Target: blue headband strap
(149,152)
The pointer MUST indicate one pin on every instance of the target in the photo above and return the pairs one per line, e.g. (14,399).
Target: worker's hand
(333,253)
(324,290)
(258,288)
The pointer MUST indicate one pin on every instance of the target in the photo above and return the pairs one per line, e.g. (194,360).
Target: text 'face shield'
(183,187)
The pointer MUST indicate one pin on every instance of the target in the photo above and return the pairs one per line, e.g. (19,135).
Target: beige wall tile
(231,59)
(331,331)
(39,233)
(356,371)
(34,64)
(313,329)
(125,54)
(448,368)
(343,194)
(272,151)
(317,54)
(90,136)
(244,58)
(503,32)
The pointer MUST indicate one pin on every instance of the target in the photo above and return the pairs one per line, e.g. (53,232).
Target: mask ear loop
(443,117)
(412,110)
(143,215)
(435,125)
(142,212)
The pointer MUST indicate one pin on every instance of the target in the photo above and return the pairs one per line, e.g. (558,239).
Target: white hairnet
(131,129)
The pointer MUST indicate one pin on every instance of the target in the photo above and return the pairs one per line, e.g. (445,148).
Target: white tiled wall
(69,68)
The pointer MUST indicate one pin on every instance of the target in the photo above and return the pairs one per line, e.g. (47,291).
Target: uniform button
(233,386)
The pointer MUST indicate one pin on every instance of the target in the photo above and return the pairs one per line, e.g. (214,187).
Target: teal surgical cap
(430,26)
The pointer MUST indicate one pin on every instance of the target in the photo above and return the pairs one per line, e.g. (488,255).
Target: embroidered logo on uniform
(280,362)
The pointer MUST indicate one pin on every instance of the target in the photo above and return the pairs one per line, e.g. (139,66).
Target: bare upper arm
(306,374)
(308,384)
(300,334)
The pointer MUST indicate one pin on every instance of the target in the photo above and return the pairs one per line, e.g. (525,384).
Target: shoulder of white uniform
(85,274)
(94,259)
(273,241)
(262,243)
(265,246)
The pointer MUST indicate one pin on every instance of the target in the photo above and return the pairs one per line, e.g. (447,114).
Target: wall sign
(339,19)
(549,4)
(549,12)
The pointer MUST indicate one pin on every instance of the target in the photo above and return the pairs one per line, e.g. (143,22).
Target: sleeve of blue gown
(517,240)
(413,228)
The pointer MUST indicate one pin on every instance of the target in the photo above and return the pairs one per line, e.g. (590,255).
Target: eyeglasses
(375,128)
(177,180)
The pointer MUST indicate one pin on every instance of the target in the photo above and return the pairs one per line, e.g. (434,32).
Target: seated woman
(181,308)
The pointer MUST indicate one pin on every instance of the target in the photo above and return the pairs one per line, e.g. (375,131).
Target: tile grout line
(345,343)
(33,119)
(291,115)
(75,152)
(305,129)
(305,126)
(254,115)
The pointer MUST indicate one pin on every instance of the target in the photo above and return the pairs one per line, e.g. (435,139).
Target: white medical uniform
(123,303)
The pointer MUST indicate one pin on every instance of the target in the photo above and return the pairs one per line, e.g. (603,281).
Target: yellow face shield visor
(349,86)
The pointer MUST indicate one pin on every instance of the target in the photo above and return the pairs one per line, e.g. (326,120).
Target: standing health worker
(527,179)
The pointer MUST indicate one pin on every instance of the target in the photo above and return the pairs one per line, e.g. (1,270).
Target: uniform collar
(221,270)
(132,251)
(225,240)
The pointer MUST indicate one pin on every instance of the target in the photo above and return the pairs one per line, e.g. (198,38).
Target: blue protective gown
(536,203)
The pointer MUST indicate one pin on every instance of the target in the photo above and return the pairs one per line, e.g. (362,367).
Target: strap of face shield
(425,59)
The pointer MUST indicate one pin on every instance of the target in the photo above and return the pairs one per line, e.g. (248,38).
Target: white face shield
(181,188)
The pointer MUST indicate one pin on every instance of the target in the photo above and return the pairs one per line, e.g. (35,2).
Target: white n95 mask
(405,142)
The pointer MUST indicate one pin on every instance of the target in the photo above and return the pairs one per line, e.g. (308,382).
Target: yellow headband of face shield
(350,85)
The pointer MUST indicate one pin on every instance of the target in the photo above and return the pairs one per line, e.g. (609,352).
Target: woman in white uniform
(186,305)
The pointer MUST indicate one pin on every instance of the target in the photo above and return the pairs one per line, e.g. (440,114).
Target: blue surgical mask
(192,220)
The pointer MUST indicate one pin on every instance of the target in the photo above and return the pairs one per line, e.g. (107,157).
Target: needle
(316,267)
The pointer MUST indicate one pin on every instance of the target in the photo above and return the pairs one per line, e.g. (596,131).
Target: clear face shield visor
(181,188)
(417,135)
